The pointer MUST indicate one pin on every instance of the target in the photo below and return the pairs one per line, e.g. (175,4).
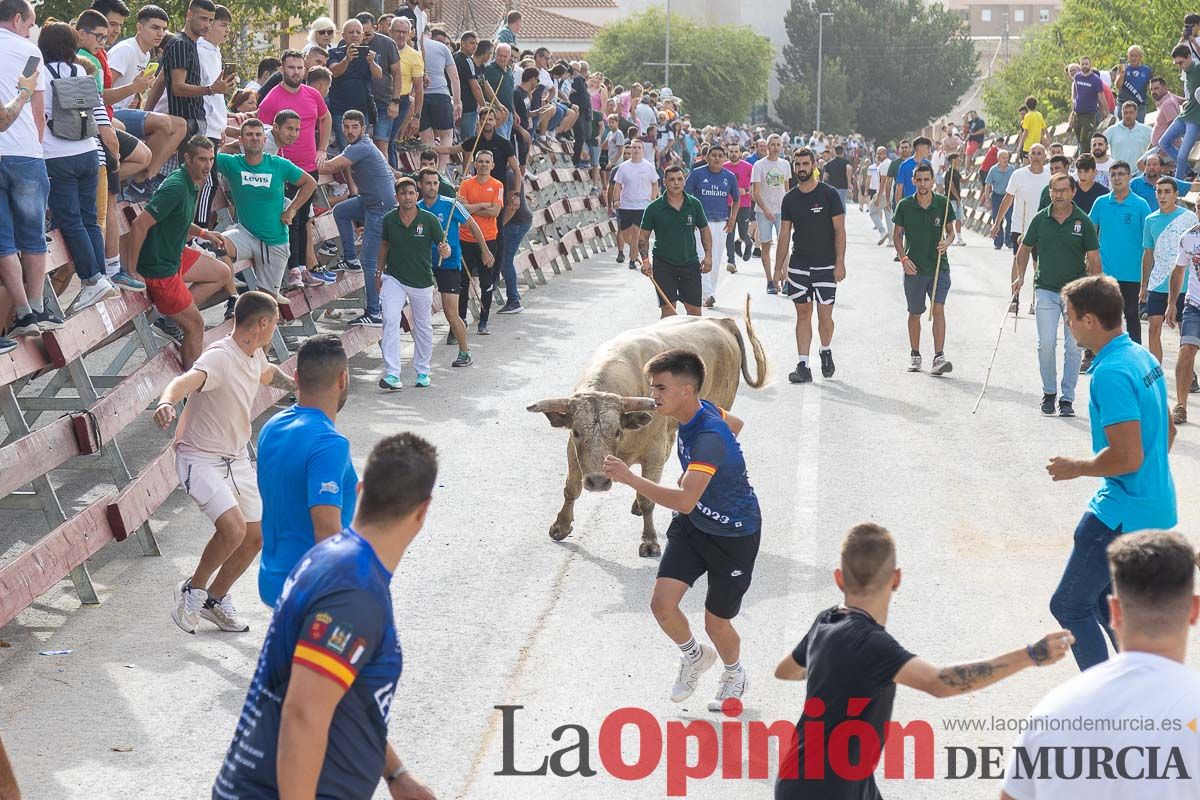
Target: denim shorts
(385,127)
(767,231)
(560,112)
(918,287)
(134,120)
(24,191)
(1189,327)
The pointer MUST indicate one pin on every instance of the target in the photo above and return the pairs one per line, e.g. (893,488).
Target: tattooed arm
(277,379)
(962,678)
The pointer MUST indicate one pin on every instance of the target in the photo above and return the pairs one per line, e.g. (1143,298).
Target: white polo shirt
(21,138)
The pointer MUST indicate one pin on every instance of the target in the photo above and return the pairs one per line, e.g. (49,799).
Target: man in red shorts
(178,278)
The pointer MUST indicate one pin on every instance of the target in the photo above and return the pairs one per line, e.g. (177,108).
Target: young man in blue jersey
(305,475)
(717,190)
(715,529)
(331,660)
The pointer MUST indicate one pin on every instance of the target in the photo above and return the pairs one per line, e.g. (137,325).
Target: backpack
(74,98)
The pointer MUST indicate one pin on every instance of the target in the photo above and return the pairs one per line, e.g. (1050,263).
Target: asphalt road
(491,612)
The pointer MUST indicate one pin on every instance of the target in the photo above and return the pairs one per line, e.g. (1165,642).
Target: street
(491,612)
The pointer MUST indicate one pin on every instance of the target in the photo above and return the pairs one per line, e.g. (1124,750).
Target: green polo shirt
(675,231)
(173,206)
(1061,247)
(445,187)
(923,230)
(410,247)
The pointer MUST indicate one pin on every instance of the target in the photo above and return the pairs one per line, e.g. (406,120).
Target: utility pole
(820,58)
(666,63)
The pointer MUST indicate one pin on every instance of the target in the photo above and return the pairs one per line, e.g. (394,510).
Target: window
(1044,15)
(1019,15)
(985,15)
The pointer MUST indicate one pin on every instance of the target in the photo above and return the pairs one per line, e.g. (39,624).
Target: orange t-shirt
(472,191)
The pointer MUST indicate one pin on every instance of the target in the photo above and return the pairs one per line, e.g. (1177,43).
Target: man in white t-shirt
(1139,706)
(211,459)
(1104,161)
(1023,196)
(635,184)
(768,184)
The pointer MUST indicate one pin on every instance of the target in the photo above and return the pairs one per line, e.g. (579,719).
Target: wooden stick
(666,301)
(988,375)
(937,267)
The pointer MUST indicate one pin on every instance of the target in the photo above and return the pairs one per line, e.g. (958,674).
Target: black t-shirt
(269,84)
(847,655)
(501,150)
(1085,199)
(835,172)
(975,130)
(181,53)
(466,74)
(811,215)
(952,181)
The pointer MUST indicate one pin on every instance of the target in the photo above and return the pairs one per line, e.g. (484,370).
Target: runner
(1067,242)
(634,185)
(483,198)
(1131,436)
(1160,238)
(743,243)
(813,215)
(716,189)
(305,475)
(876,175)
(211,458)
(996,185)
(769,183)
(676,219)
(921,237)
(1022,196)
(331,660)
(716,528)
(406,248)
(1120,217)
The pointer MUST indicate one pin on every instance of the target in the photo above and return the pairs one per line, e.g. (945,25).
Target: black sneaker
(737,247)
(634,263)
(348,266)
(167,326)
(367,321)
(802,374)
(229,304)
(26,325)
(511,308)
(826,363)
(482,329)
(1048,405)
(7,345)
(1193,389)
(746,252)
(48,320)
(1085,363)
(771,288)
(463,360)
(757,253)
(1065,408)
(620,258)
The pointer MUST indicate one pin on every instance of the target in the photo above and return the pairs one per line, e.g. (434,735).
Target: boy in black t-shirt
(848,655)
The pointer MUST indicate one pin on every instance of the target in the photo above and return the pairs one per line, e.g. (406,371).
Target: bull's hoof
(649,550)
(560,531)
(636,510)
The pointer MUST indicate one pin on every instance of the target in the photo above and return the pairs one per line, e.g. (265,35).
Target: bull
(609,413)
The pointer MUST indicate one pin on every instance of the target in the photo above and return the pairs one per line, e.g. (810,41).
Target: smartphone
(1122,59)
(151,69)
(31,65)
(361,50)
(228,68)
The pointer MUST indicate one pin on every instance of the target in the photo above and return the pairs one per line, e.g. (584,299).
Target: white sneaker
(223,615)
(294,279)
(690,672)
(733,684)
(189,603)
(914,364)
(960,241)
(97,292)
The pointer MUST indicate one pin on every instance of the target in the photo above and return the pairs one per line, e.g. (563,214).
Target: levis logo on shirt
(262,180)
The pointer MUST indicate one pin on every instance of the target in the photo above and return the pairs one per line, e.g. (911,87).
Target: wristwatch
(395,100)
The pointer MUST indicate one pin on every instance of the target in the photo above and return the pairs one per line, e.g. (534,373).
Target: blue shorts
(767,231)
(134,120)
(1156,304)
(437,113)
(1189,327)
(468,126)
(24,190)
(560,111)
(918,287)
(386,127)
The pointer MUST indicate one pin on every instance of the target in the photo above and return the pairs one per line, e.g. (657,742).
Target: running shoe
(25,325)
(757,253)
(93,293)
(1179,414)
(450,338)
(772,288)
(463,360)
(690,672)
(167,326)
(710,301)
(7,345)
(422,381)
(391,383)
(482,329)
(620,258)
(229,304)
(512,308)
(324,276)
(1048,405)
(1193,389)
(731,268)
(1066,408)
(310,281)
(351,265)
(733,684)
(940,366)
(222,614)
(914,363)
(126,282)
(189,603)
(48,320)
(827,363)
(295,280)
(802,374)
(367,321)
(328,248)
(961,242)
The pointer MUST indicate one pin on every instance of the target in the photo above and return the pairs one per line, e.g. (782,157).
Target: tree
(729,65)
(1099,29)
(796,105)
(905,63)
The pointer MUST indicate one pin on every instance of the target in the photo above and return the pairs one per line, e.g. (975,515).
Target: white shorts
(218,484)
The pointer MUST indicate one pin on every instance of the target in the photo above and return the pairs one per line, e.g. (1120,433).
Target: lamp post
(820,58)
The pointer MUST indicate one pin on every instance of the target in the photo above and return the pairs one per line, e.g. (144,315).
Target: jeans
(339,136)
(1130,297)
(345,214)
(742,232)
(73,181)
(469,124)
(298,230)
(1006,225)
(1050,313)
(510,243)
(1083,126)
(1080,603)
(24,188)
(1190,131)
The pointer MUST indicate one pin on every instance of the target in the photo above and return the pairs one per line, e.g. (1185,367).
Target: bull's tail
(760,356)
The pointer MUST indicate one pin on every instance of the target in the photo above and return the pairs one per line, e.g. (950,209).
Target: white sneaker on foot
(733,684)
(690,672)
(189,603)
(94,293)
(223,615)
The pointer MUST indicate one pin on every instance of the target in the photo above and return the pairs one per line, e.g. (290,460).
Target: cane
(1019,280)
(666,300)
(937,268)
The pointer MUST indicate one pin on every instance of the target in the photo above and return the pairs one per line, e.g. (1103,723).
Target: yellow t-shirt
(1034,123)
(412,65)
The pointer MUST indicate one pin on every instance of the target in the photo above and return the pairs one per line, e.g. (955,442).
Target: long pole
(667,65)
(820,61)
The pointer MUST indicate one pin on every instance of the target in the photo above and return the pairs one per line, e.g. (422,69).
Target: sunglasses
(326,32)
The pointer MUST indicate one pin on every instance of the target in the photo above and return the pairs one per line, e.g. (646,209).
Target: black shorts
(728,561)
(810,284)
(678,283)
(126,144)
(437,112)
(629,217)
(449,281)
(1156,304)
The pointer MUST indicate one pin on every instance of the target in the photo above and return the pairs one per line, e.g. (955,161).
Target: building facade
(997,17)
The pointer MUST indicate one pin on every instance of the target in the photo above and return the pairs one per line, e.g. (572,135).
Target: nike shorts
(728,561)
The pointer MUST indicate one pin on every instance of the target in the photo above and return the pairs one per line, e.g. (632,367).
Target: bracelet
(163,403)
(400,770)
(24,89)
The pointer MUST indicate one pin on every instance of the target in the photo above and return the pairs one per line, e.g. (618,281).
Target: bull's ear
(558,411)
(558,420)
(635,420)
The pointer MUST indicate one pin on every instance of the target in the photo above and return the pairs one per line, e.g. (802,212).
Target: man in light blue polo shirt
(1131,437)
(305,476)
(1128,138)
(905,187)
(1145,185)
(715,187)
(1119,217)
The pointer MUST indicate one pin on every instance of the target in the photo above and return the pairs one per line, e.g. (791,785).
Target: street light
(820,58)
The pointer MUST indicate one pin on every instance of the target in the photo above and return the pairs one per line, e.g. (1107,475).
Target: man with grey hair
(408,96)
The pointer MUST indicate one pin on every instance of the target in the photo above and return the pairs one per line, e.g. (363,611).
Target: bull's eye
(575,434)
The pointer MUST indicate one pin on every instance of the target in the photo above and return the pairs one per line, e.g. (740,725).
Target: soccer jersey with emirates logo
(728,506)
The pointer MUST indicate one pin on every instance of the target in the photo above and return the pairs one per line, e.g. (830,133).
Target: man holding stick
(675,219)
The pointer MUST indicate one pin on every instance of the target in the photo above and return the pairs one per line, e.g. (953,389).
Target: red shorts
(170,295)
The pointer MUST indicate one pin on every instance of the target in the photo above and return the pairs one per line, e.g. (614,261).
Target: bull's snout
(597,483)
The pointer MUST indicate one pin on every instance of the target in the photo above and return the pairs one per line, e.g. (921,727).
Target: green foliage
(904,64)
(1099,29)
(729,68)
(796,105)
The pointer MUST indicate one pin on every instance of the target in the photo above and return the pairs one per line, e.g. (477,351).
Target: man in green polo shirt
(921,235)
(1068,248)
(179,278)
(406,250)
(675,219)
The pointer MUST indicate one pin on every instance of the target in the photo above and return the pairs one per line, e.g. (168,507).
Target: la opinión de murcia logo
(733,749)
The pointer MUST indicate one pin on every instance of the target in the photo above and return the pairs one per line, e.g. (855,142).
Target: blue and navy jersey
(713,190)
(728,506)
(334,617)
(904,175)
(451,214)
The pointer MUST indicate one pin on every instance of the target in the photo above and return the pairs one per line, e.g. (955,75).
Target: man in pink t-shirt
(742,243)
(1167,105)
(308,153)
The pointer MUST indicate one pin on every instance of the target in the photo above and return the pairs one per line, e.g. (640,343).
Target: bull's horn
(557,405)
(637,404)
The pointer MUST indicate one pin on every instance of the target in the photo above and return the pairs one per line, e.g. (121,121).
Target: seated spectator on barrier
(376,196)
(1167,106)
(180,76)
(353,66)
(179,278)
(468,82)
